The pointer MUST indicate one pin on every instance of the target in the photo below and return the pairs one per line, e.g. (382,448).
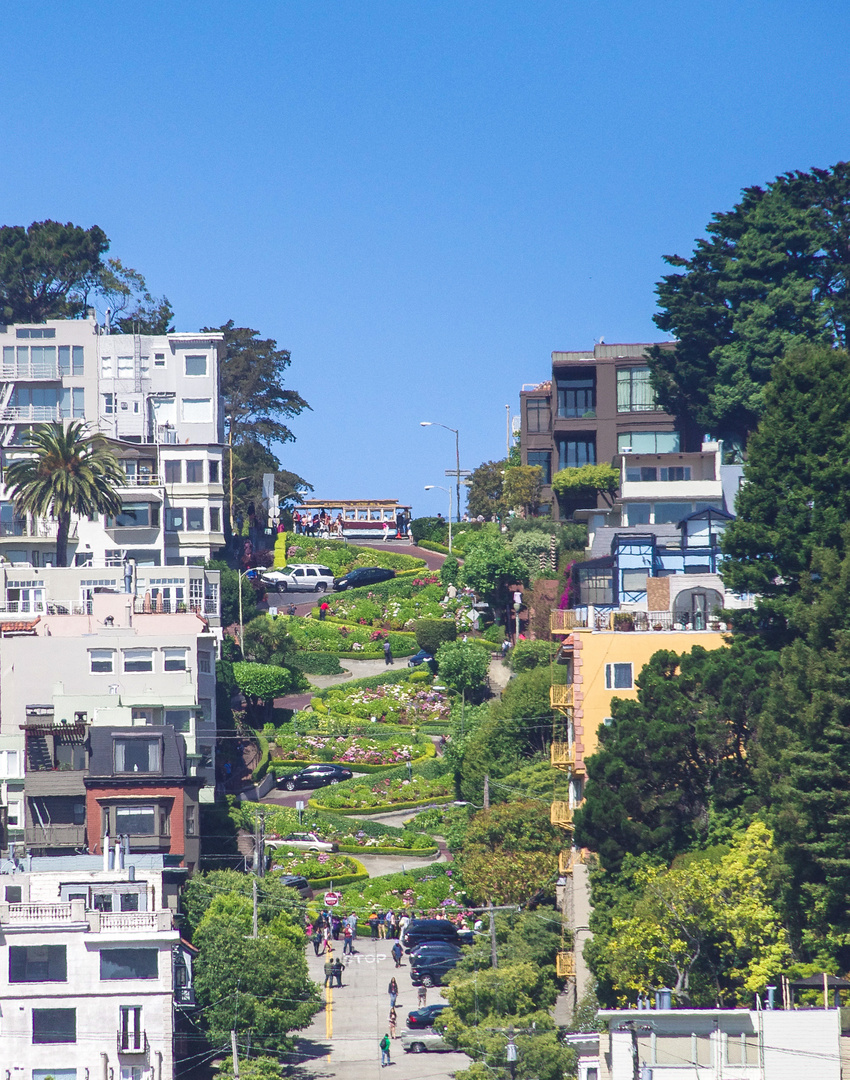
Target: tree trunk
(64,521)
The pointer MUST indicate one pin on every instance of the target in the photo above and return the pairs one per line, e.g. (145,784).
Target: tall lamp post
(251,573)
(430,487)
(433,423)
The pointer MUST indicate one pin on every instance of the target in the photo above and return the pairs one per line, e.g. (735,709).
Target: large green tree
(770,274)
(48,270)
(490,567)
(484,495)
(68,472)
(133,309)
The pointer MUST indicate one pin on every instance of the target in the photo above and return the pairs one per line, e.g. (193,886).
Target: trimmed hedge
(440,549)
(263,767)
(285,768)
(387,808)
(338,882)
(432,633)
(346,849)
(369,682)
(317,663)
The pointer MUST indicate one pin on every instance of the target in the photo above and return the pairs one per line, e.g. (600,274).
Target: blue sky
(420,200)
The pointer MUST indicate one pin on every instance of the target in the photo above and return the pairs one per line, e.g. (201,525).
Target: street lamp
(448,491)
(250,573)
(433,423)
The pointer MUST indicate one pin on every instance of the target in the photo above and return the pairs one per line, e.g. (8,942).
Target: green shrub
(429,528)
(449,571)
(431,545)
(311,663)
(371,681)
(338,555)
(495,634)
(263,767)
(432,633)
(531,654)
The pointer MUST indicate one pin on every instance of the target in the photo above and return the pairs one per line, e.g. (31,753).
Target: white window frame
(610,676)
(196,403)
(136,654)
(102,659)
(196,356)
(170,655)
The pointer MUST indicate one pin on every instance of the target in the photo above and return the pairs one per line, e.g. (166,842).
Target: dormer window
(137,755)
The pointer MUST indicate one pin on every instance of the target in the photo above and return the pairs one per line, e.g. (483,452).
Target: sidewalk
(342,1041)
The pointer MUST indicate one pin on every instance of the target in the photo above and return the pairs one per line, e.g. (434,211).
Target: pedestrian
(329,972)
(352,922)
(348,944)
(318,941)
(336,923)
(392,990)
(393,1019)
(373,925)
(385,1050)
(398,953)
(382,925)
(422,997)
(324,608)
(338,971)
(388,653)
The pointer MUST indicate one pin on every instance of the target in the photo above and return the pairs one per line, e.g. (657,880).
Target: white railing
(37,414)
(28,372)
(128,920)
(39,913)
(158,606)
(143,480)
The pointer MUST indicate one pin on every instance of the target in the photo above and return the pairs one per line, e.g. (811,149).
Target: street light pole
(242,574)
(430,487)
(433,423)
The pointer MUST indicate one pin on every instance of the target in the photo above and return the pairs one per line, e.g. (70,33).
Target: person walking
(392,990)
(388,653)
(348,945)
(392,1019)
(422,997)
(373,925)
(382,925)
(385,1051)
(329,972)
(352,922)
(318,941)
(398,953)
(338,971)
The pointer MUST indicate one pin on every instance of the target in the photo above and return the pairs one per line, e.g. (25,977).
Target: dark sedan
(315,776)
(424,1018)
(362,575)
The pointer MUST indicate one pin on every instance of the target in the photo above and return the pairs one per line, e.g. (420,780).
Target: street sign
(299,805)
(332,899)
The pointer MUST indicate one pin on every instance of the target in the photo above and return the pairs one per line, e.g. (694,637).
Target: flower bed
(400,703)
(330,636)
(430,890)
(314,866)
(398,610)
(348,750)
(387,792)
(351,835)
(338,555)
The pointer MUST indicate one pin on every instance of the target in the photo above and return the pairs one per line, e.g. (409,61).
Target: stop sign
(332,899)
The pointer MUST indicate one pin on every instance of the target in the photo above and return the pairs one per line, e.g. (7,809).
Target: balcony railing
(30,372)
(36,414)
(157,605)
(561,814)
(143,480)
(131,1042)
(562,622)
(56,835)
(565,965)
(28,914)
(40,528)
(129,921)
(561,697)
(563,754)
(567,861)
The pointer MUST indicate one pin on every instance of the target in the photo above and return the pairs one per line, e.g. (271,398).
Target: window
(130,1034)
(179,719)
(159,359)
(54,1025)
(205,704)
(13,894)
(126,367)
(191,819)
(71,360)
(577,394)
(129,963)
(671,513)
(679,472)
(109,404)
(9,758)
(538,415)
(135,820)
(138,659)
(641,475)
(106,368)
(195,519)
(37,963)
(137,755)
(544,460)
(215,519)
(175,659)
(132,516)
(214,472)
(194,472)
(35,332)
(204,663)
(648,442)
(633,581)
(101,660)
(196,410)
(576,451)
(13,815)
(195,366)
(174,520)
(634,391)
(637,513)
(174,472)
(618,676)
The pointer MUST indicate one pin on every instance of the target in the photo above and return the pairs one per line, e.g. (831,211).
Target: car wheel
(290,785)
(281,586)
(427,980)
(321,586)
(417,1048)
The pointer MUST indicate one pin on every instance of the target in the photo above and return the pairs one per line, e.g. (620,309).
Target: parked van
(311,576)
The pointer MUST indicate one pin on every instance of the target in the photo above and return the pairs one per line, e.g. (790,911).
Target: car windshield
(287,570)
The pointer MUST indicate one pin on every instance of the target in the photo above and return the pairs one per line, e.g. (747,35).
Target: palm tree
(69,472)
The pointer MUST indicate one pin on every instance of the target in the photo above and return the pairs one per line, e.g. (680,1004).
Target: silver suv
(300,576)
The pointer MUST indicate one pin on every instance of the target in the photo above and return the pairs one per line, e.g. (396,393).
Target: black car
(296,881)
(315,776)
(431,972)
(362,575)
(431,949)
(424,1018)
(421,930)
(422,657)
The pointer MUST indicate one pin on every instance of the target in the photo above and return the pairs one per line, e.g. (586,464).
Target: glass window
(195,519)
(215,519)
(637,513)
(126,367)
(671,513)
(106,368)
(129,963)
(576,451)
(132,516)
(109,404)
(641,474)
(191,819)
(135,820)
(544,460)
(174,472)
(159,359)
(138,659)
(204,663)
(13,894)
(194,472)
(577,394)
(78,360)
(130,1033)
(101,660)
(137,755)
(618,676)
(196,365)
(175,659)
(196,410)
(78,397)
(678,472)
(174,520)
(634,390)
(538,414)
(179,719)
(37,963)
(36,332)
(214,472)
(54,1074)
(54,1025)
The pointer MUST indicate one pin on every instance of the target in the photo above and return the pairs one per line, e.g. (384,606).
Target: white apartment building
(94,974)
(157,398)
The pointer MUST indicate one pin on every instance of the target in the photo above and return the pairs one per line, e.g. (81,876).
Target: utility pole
(254,898)
(486,792)
(493,958)
(235,1055)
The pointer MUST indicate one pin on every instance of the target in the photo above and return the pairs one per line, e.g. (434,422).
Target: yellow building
(605,664)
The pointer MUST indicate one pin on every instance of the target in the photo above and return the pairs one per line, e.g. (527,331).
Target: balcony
(143,480)
(32,414)
(30,372)
(54,836)
(39,529)
(133,1042)
(563,754)
(131,922)
(564,622)
(561,814)
(71,913)
(565,965)
(561,697)
(42,914)
(567,861)
(146,605)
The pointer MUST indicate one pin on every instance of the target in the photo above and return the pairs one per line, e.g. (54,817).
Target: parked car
(296,881)
(315,776)
(304,841)
(432,970)
(299,576)
(422,657)
(424,1018)
(423,1041)
(429,950)
(362,575)
(419,930)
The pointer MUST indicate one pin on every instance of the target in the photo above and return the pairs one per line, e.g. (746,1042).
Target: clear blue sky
(420,200)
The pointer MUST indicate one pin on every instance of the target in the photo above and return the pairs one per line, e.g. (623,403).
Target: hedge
(263,767)
(346,554)
(337,882)
(387,808)
(440,549)
(432,633)
(347,849)
(285,768)
(317,663)
(369,682)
